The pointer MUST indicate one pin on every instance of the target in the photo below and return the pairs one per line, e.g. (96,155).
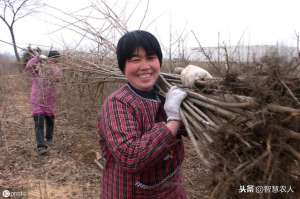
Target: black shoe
(42,150)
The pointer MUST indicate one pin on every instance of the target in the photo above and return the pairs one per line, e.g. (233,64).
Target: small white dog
(191,73)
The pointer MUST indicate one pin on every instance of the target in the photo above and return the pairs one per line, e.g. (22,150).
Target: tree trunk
(11,30)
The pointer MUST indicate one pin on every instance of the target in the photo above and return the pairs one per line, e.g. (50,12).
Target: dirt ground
(64,173)
(68,171)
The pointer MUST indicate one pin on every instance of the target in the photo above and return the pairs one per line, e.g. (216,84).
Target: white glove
(191,73)
(174,97)
(43,57)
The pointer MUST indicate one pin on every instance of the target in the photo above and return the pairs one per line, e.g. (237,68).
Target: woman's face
(142,70)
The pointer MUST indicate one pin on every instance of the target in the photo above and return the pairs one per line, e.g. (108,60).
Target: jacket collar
(153,94)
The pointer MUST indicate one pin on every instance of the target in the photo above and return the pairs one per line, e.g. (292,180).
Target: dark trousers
(39,121)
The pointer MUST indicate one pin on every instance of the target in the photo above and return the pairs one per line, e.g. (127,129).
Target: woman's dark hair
(53,54)
(133,40)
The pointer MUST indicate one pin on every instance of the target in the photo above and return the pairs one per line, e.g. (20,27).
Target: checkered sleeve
(134,150)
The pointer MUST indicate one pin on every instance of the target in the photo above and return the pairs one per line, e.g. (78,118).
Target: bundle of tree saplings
(250,137)
(246,128)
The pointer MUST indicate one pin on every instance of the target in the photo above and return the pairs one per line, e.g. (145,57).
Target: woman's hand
(174,97)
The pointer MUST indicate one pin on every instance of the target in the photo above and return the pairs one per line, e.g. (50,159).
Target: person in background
(192,73)
(44,72)
(139,129)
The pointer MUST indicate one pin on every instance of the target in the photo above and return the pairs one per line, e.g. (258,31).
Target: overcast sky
(257,22)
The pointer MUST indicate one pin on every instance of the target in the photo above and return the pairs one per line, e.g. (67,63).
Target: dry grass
(66,172)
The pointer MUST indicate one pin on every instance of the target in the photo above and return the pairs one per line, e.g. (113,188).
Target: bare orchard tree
(14,10)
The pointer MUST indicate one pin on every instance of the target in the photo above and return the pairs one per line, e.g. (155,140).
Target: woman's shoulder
(122,94)
(120,99)
(119,93)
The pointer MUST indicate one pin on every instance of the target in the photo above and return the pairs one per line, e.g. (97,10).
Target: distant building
(241,53)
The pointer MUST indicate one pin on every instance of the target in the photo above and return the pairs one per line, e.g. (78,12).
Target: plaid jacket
(143,159)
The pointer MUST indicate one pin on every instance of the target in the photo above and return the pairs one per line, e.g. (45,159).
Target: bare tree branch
(79,28)
(133,11)
(18,9)
(208,57)
(145,14)
(116,19)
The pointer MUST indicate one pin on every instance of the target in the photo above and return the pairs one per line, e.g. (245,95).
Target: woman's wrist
(173,126)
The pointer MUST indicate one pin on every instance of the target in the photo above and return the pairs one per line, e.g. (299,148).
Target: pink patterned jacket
(44,78)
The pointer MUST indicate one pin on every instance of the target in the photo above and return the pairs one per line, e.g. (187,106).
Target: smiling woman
(139,129)
(142,70)
(140,52)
